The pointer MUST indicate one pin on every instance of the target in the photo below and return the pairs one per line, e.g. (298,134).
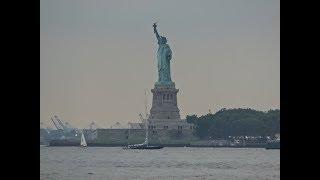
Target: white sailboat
(83,142)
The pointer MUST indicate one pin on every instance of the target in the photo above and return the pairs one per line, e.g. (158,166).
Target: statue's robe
(164,56)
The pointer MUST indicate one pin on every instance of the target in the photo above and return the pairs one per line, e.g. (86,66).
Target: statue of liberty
(164,56)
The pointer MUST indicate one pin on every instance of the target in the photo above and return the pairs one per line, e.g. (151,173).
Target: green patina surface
(164,55)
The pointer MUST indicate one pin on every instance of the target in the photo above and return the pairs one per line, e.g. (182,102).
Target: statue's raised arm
(155,31)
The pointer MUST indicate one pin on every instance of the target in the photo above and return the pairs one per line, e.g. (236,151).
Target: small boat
(142,146)
(83,142)
(145,144)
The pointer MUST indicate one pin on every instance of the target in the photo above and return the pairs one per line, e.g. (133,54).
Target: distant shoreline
(165,145)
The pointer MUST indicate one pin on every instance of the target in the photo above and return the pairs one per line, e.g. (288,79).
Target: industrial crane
(56,124)
(60,125)
(64,127)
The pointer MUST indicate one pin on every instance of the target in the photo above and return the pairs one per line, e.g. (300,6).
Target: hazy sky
(98,56)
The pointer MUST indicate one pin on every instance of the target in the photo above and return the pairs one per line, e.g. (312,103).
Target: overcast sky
(98,56)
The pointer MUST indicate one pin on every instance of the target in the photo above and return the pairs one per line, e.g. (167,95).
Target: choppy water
(60,163)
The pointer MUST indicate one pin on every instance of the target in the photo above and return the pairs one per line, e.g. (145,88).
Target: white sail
(83,140)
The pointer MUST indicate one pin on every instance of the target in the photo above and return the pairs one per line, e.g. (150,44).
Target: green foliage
(236,122)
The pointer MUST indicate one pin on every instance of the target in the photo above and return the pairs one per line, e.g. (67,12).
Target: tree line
(236,122)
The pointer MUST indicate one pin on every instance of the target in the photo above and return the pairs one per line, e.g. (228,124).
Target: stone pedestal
(164,113)
(164,103)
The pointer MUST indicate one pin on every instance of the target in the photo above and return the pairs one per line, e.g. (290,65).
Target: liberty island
(162,126)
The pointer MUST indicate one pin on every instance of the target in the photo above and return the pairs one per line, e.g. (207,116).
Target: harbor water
(115,163)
